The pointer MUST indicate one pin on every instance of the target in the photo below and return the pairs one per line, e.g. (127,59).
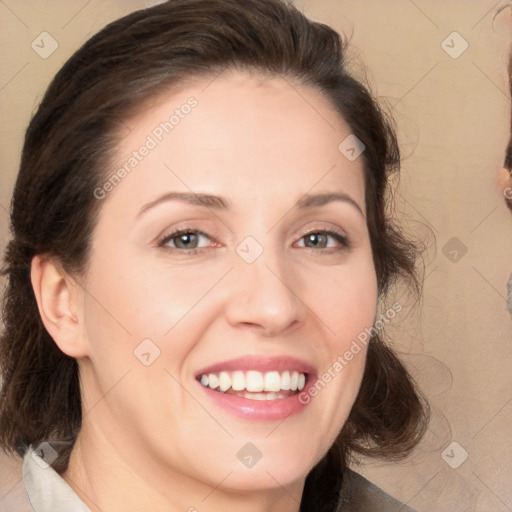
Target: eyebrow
(208,200)
(220,203)
(309,201)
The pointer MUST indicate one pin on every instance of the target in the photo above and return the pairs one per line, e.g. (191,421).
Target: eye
(185,239)
(324,240)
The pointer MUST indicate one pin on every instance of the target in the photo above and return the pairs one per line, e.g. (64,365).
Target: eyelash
(343,240)
(182,231)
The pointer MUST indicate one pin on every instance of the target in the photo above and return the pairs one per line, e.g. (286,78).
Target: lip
(260,364)
(270,410)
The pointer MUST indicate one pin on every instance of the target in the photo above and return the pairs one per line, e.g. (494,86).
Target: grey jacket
(43,490)
(360,495)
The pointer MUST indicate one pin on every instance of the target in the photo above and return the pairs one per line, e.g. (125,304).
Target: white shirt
(46,490)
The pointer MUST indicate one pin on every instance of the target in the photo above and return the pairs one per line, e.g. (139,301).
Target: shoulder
(359,495)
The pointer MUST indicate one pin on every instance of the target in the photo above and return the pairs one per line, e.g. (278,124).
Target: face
(233,253)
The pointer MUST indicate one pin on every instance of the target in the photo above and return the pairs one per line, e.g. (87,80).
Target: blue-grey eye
(185,240)
(323,240)
(316,240)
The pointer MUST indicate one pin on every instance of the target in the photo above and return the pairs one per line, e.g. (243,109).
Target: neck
(107,478)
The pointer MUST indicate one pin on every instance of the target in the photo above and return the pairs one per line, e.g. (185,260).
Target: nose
(264,297)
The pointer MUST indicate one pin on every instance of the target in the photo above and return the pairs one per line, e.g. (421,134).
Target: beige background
(453,115)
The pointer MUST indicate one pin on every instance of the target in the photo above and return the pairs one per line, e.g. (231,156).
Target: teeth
(224,381)
(256,396)
(272,381)
(294,381)
(263,396)
(302,382)
(213,381)
(238,381)
(263,385)
(286,381)
(254,382)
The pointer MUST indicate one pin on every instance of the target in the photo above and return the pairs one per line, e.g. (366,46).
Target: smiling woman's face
(272,272)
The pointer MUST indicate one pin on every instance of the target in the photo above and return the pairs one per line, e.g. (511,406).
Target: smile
(255,385)
(259,387)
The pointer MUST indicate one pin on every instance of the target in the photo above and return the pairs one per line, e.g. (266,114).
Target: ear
(505,185)
(57,295)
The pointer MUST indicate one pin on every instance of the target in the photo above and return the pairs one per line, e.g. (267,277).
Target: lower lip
(268,410)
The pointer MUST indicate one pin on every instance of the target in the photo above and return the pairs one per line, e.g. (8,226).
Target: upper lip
(260,363)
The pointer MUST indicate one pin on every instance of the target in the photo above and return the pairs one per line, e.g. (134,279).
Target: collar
(46,489)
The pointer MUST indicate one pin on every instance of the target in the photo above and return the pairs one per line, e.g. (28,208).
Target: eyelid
(162,240)
(327,227)
(342,238)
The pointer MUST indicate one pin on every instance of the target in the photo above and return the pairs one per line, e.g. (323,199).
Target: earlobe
(57,299)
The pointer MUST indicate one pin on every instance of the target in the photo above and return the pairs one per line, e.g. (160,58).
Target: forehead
(238,132)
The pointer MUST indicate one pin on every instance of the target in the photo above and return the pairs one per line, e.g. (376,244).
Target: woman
(200,245)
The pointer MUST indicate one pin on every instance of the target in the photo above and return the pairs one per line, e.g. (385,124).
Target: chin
(272,467)
(265,478)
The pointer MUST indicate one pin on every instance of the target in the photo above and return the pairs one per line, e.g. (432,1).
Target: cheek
(145,296)
(349,304)
(347,311)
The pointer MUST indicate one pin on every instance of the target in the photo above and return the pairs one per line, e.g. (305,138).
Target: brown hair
(66,156)
(508,153)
